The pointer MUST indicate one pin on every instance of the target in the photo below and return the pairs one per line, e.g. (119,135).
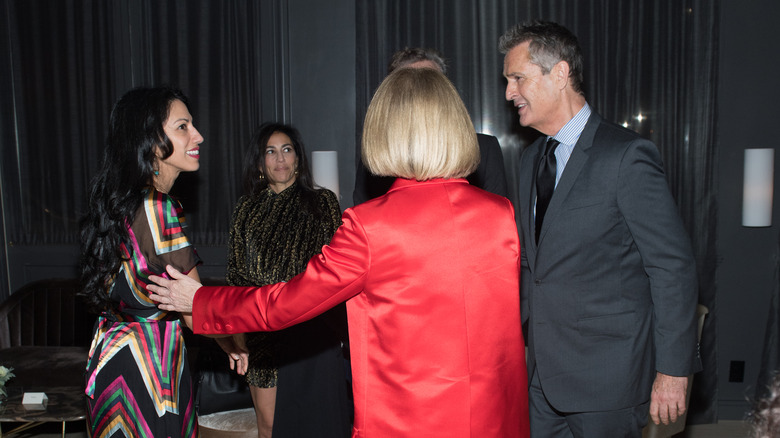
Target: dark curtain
(657,59)
(67,61)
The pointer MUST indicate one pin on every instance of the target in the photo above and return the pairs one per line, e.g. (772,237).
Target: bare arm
(235,347)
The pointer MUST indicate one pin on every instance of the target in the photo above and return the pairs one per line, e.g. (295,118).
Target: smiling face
(186,142)
(280,162)
(537,96)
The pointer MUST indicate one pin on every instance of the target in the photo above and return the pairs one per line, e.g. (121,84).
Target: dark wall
(322,78)
(748,96)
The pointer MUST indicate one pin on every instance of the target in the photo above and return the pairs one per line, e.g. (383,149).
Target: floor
(724,429)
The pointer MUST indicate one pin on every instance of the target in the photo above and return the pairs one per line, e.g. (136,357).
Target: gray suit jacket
(609,294)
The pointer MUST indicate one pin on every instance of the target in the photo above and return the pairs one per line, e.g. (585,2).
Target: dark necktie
(545,182)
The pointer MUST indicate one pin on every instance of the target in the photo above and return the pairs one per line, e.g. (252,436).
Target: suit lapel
(574,166)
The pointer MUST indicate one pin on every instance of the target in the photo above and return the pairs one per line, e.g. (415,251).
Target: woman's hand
(175,294)
(238,355)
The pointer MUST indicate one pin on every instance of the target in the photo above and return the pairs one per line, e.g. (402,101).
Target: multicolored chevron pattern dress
(138,380)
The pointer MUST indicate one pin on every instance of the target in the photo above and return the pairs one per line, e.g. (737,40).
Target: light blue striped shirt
(568,136)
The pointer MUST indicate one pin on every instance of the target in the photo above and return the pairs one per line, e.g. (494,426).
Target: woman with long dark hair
(138,380)
(296,376)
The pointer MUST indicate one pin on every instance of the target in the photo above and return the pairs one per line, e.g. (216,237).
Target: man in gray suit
(608,281)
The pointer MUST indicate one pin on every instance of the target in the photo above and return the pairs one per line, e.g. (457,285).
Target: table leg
(23,427)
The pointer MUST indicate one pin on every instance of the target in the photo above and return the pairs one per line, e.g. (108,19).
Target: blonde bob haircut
(417,127)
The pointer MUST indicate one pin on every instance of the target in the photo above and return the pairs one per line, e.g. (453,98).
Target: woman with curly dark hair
(138,380)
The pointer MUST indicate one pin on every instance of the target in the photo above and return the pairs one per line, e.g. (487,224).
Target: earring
(157,172)
(262,177)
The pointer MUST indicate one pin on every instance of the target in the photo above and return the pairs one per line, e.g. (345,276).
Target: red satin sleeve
(331,277)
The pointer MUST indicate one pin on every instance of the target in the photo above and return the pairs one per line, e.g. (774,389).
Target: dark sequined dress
(272,238)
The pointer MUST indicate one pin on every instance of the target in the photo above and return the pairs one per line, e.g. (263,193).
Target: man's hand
(175,294)
(667,400)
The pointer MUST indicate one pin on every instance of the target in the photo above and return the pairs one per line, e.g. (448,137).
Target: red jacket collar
(403,182)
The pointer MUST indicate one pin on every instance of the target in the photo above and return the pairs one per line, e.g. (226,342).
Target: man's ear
(560,73)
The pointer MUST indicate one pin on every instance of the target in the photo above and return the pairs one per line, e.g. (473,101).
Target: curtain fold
(650,65)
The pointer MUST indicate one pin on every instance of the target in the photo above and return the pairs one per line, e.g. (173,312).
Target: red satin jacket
(431,274)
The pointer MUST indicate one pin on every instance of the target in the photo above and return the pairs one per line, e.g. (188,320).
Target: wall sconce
(325,170)
(758,187)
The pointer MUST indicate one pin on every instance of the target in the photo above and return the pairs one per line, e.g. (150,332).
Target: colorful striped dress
(138,380)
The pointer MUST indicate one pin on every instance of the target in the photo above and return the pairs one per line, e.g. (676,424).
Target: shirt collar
(571,131)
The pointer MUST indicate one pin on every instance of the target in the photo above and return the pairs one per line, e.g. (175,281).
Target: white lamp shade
(758,187)
(325,170)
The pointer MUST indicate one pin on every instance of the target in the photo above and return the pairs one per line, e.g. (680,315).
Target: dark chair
(46,313)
